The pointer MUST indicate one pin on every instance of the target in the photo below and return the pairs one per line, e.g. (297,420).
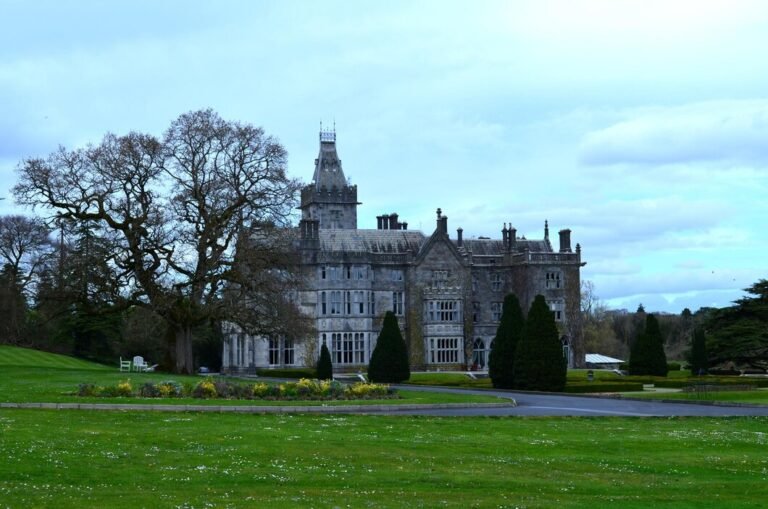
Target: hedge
(288,372)
(584,387)
(686,382)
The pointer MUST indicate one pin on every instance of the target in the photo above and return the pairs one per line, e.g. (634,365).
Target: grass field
(122,459)
(38,377)
(82,459)
(605,381)
(757,396)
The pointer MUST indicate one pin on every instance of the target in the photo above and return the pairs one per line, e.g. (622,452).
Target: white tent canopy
(596,358)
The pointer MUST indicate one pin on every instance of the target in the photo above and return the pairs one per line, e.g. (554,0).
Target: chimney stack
(565,241)
(460,237)
(442,222)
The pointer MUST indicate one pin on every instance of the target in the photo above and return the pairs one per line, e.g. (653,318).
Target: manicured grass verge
(602,386)
(609,382)
(46,385)
(288,372)
(15,356)
(448,380)
(713,380)
(126,459)
(757,397)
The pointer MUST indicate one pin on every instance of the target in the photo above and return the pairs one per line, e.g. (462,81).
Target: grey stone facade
(446,291)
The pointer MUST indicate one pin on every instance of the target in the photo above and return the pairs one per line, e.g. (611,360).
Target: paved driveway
(553,405)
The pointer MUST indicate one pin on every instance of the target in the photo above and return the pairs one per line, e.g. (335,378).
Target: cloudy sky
(640,125)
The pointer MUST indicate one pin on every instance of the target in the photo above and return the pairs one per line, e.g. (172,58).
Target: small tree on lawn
(324,365)
(389,360)
(539,361)
(647,355)
(502,358)
(698,357)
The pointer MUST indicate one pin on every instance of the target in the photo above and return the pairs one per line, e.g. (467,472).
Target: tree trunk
(184,350)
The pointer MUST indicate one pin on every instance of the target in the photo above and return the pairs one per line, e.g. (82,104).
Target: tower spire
(330,198)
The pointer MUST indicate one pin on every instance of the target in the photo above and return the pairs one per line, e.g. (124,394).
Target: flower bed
(210,388)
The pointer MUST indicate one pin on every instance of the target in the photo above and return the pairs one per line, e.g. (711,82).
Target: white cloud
(674,303)
(710,131)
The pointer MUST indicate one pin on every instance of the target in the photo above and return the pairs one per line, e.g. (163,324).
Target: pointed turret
(328,172)
(329,199)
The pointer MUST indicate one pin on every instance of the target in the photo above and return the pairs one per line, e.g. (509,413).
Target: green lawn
(448,380)
(757,396)
(26,357)
(604,381)
(83,459)
(39,377)
(130,459)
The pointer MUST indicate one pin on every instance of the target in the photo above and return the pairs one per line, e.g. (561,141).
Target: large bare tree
(24,246)
(174,210)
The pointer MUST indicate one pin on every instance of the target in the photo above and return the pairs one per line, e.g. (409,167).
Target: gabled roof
(328,172)
(442,237)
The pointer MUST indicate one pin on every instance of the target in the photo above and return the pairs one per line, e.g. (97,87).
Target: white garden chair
(125,365)
(139,364)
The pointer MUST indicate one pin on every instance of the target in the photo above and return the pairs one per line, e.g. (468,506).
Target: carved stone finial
(439,212)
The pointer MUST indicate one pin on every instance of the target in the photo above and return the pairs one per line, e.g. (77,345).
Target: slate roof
(328,172)
(371,241)
(480,247)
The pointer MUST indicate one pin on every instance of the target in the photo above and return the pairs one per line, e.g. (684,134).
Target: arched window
(479,355)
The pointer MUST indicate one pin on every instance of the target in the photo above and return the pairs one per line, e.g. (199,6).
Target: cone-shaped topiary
(698,357)
(502,358)
(324,365)
(647,355)
(539,361)
(389,360)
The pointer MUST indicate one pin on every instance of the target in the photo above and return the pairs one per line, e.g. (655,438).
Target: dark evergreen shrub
(539,361)
(389,360)
(502,358)
(324,365)
(673,366)
(698,356)
(647,355)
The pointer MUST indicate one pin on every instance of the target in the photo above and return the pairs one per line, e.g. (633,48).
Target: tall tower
(329,198)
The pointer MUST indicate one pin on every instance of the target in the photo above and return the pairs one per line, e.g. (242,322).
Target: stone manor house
(446,290)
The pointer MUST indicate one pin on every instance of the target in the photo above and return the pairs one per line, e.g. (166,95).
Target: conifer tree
(389,360)
(539,361)
(647,355)
(502,358)
(698,357)
(324,365)
(739,334)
